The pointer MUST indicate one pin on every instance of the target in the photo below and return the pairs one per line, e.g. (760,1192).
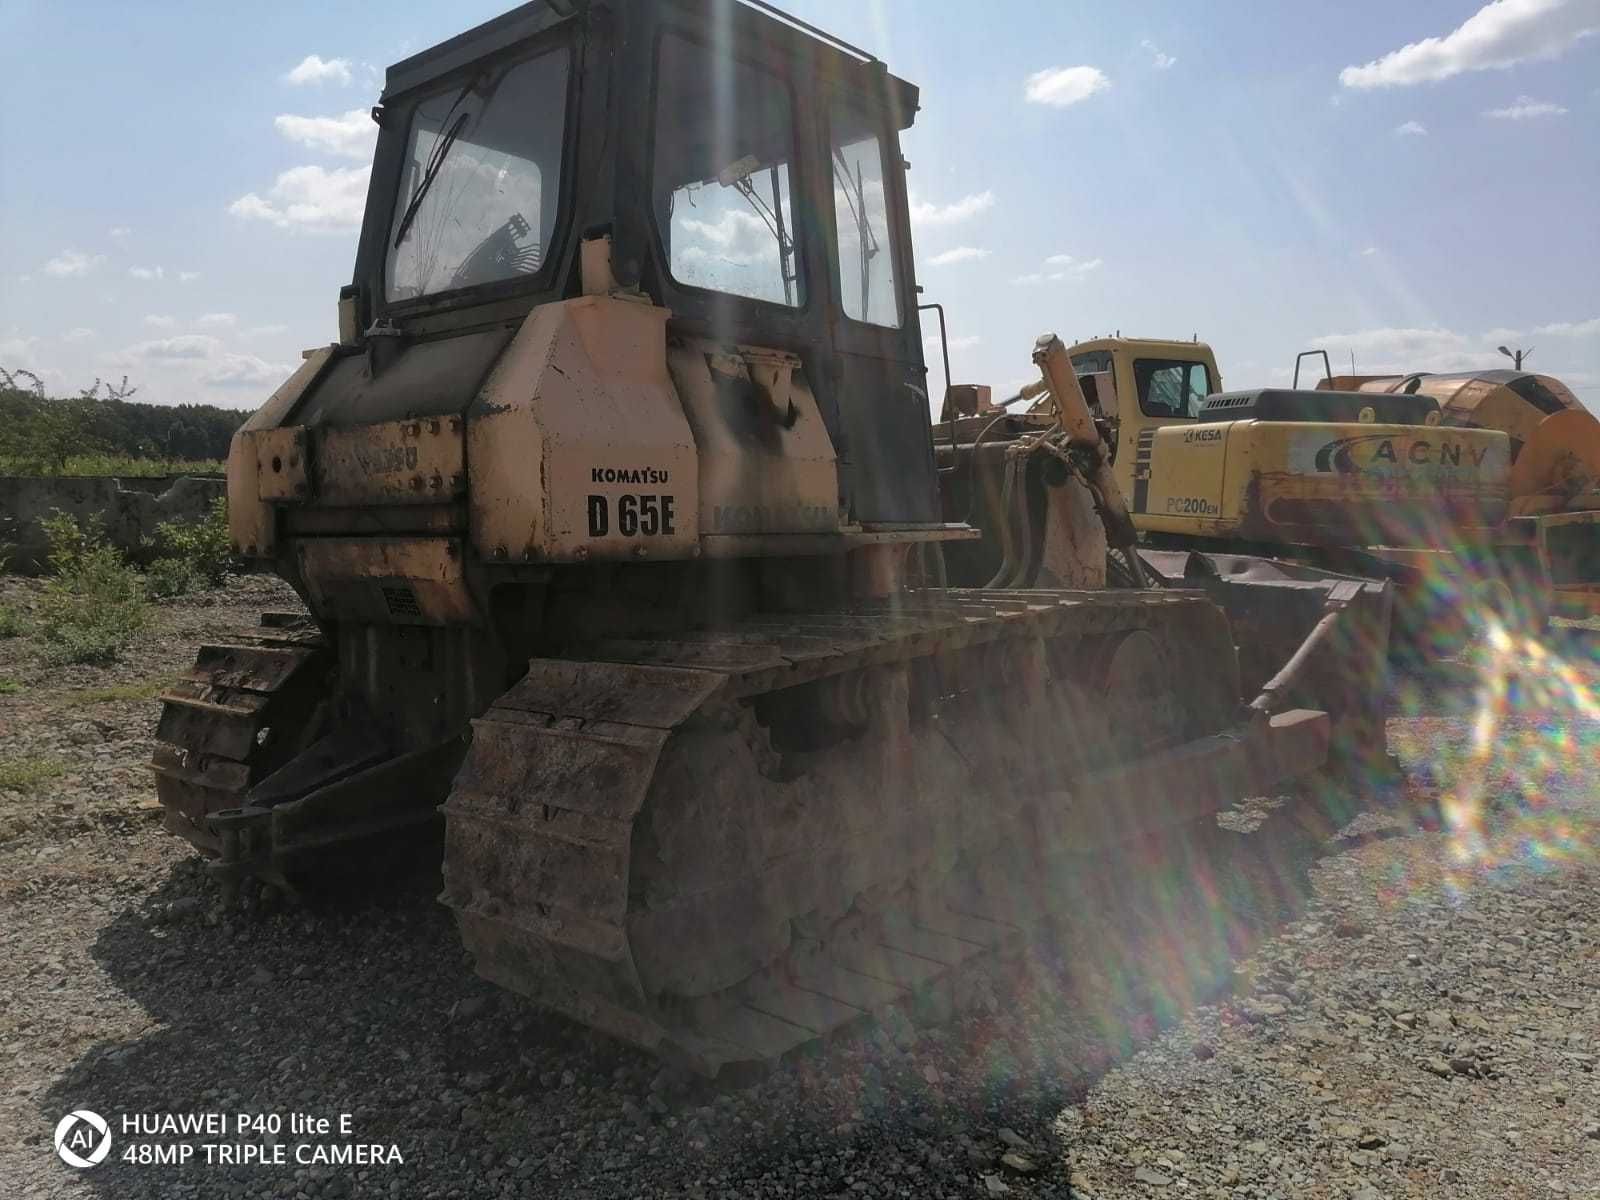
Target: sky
(1411,185)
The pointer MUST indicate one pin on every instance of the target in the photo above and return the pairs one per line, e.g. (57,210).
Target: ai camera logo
(82,1138)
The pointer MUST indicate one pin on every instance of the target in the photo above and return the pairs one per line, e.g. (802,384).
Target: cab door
(1168,392)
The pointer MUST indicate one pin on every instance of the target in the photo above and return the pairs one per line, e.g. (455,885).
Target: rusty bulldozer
(623,553)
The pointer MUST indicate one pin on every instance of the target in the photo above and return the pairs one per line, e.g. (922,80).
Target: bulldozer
(1471,494)
(618,521)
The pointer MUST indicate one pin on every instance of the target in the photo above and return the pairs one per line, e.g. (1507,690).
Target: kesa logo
(82,1138)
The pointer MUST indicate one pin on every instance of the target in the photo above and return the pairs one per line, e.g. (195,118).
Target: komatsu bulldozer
(1466,492)
(617,517)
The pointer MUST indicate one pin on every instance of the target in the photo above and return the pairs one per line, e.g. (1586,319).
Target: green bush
(10,621)
(96,604)
(203,547)
(168,577)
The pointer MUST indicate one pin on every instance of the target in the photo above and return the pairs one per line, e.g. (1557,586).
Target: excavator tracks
(245,708)
(728,845)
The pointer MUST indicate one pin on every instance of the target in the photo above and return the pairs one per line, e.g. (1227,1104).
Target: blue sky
(1417,183)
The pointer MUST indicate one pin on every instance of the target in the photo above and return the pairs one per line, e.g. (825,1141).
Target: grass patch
(96,604)
(9,687)
(27,774)
(10,621)
(139,689)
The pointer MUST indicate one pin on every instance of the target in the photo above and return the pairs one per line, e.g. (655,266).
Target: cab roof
(795,39)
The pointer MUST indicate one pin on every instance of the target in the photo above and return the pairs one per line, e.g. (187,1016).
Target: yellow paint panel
(391,462)
(578,443)
(1186,473)
(401,581)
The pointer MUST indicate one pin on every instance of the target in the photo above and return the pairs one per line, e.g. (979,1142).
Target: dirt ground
(1417,1015)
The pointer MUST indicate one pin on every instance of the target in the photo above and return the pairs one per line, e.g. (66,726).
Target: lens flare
(1515,792)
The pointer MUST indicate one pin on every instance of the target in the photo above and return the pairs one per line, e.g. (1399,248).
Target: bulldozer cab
(746,169)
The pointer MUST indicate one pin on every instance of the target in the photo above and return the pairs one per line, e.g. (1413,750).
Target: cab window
(1170,389)
(481,183)
(724,142)
(861,220)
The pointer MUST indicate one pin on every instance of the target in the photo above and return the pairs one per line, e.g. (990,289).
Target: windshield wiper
(441,148)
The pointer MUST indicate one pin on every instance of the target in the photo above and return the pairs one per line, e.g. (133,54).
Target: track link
(728,845)
(246,707)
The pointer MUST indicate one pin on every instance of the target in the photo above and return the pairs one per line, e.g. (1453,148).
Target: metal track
(247,705)
(726,846)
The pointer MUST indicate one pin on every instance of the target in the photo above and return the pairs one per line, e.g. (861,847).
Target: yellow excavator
(616,514)
(1470,493)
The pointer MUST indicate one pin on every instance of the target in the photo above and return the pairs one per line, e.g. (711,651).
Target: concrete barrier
(129,508)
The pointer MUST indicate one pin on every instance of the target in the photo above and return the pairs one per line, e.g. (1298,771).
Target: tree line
(43,434)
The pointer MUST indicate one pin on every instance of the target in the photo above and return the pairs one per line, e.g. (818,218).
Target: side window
(1091,362)
(1169,389)
(861,220)
(1199,387)
(724,139)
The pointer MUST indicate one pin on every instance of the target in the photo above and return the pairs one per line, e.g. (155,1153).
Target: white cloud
(1369,252)
(148,272)
(1500,34)
(736,237)
(159,321)
(1384,350)
(1411,129)
(351,134)
(188,276)
(959,254)
(245,370)
(315,69)
(1589,328)
(217,320)
(1061,86)
(1076,265)
(1523,108)
(1065,266)
(264,331)
(73,263)
(1159,60)
(311,198)
(14,349)
(79,334)
(926,213)
(186,347)
(118,231)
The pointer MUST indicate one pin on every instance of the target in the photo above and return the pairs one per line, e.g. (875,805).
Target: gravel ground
(1407,1013)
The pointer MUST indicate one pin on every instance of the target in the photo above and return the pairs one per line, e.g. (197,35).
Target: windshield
(478,194)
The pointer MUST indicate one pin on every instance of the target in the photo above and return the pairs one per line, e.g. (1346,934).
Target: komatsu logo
(386,460)
(1347,456)
(628,474)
